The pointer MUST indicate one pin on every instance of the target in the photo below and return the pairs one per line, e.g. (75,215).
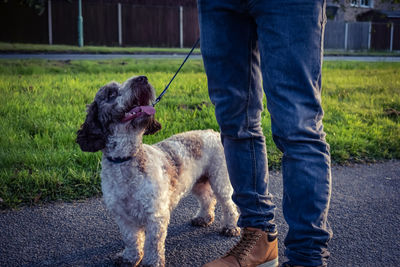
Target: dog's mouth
(138,111)
(138,105)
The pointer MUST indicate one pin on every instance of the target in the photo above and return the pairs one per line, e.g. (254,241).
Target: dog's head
(110,113)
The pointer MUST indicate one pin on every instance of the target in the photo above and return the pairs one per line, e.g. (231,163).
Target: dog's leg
(221,186)
(154,246)
(133,238)
(204,194)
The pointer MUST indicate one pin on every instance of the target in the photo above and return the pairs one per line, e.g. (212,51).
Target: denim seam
(252,149)
(254,170)
(320,113)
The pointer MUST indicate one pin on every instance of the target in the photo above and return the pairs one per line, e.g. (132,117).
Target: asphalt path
(364,215)
(168,56)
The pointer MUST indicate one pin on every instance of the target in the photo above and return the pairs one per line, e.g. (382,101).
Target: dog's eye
(112,94)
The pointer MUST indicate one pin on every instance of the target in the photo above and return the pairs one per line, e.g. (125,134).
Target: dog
(141,183)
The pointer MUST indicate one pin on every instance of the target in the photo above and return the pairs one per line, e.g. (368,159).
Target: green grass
(372,53)
(42,104)
(43,48)
(362,104)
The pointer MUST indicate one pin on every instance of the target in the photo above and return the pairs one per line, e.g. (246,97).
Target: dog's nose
(141,79)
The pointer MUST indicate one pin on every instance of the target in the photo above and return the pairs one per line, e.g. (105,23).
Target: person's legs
(231,60)
(290,36)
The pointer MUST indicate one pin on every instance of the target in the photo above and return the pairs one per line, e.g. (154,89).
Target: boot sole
(273,263)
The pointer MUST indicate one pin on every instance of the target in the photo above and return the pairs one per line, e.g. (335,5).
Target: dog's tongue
(149,110)
(138,111)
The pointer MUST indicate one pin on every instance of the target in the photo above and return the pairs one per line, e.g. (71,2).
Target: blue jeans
(275,45)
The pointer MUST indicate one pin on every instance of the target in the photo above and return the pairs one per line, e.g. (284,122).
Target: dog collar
(138,112)
(118,159)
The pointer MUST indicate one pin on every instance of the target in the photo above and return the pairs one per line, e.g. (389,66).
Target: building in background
(363,10)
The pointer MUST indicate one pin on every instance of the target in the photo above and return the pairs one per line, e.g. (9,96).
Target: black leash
(188,55)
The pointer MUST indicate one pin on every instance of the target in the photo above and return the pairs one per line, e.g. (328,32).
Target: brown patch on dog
(141,159)
(172,173)
(203,179)
(193,143)
(202,189)
(173,166)
(202,184)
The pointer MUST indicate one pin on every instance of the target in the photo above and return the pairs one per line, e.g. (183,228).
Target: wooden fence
(362,36)
(104,23)
(149,23)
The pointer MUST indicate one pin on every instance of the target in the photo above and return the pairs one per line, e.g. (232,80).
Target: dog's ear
(91,137)
(153,127)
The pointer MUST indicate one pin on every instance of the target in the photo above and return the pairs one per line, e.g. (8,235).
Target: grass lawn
(42,104)
(44,48)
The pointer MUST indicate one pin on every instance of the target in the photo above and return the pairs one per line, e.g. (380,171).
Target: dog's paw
(202,221)
(120,261)
(159,263)
(230,231)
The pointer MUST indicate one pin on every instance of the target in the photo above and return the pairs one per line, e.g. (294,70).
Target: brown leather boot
(255,248)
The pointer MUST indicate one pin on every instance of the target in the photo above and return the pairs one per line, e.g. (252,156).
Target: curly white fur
(142,192)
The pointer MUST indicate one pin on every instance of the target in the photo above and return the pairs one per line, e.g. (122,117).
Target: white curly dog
(142,183)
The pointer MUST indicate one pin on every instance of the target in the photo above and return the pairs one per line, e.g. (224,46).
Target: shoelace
(245,245)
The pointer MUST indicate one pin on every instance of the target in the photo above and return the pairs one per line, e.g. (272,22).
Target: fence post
(50,21)
(346,34)
(181,26)
(391,36)
(369,35)
(119,24)
(80,24)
